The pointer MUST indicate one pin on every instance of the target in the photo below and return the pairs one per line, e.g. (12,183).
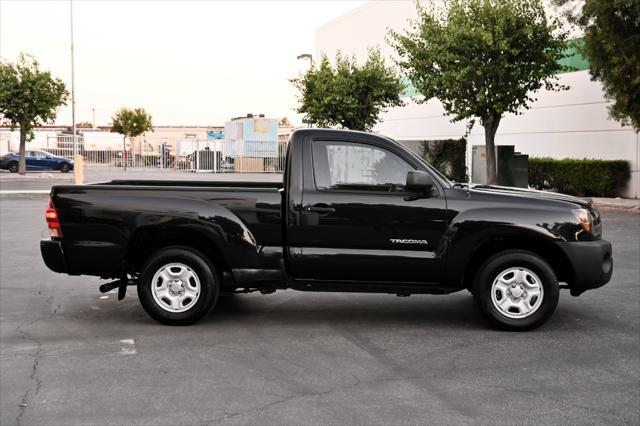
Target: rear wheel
(178,286)
(65,167)
(13,167)
(516,290)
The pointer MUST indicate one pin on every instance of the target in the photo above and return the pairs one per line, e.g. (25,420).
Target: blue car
(36,160)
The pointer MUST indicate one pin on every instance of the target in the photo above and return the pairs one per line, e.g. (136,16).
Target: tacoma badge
(407,241)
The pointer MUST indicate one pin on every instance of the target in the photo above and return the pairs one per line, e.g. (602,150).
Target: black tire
(13,167)
(65,167)
(519,260)
(197,264)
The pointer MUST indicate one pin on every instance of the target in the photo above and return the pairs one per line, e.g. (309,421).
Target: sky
(185,62)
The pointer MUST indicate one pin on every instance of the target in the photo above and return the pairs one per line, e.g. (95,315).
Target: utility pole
(94,117)
(73,91)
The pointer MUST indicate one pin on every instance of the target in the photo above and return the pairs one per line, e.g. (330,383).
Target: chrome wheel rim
(517,292)
(175,287)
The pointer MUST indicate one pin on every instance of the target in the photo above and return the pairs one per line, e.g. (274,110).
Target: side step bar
(120,284)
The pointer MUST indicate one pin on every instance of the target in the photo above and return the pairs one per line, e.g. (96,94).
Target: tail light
(52,221)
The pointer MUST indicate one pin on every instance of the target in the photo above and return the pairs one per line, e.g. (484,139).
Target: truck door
(358,223)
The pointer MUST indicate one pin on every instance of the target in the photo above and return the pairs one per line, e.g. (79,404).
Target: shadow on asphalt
(306,310)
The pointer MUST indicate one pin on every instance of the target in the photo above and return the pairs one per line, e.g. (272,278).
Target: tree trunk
(22,163)
(124,152)
(490,128)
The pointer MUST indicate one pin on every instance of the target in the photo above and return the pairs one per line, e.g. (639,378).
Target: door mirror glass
(419,181)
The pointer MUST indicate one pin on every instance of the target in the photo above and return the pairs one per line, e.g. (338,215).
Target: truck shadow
(302,309)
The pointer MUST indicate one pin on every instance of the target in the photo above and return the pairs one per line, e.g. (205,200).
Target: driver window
(357,166)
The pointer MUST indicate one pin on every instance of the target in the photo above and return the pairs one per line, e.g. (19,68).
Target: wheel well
(548,251)
(146,242)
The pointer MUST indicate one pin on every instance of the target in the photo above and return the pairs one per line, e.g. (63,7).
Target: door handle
(320,209)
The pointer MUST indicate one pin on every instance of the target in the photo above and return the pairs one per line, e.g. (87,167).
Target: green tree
(131,123)
(347,94)
(29,98)
(612,47)
(284,122)
(482,59)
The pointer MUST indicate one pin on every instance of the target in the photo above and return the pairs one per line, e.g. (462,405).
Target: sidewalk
(7,176)
(616,203)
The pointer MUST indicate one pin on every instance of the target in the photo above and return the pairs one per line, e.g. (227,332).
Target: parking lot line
(127,347)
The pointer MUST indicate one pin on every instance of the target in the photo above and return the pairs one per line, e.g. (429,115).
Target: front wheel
(178,286)
(516,290)
(13,167)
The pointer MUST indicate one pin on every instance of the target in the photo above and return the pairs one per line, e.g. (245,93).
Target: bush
(447,156)
(595,178)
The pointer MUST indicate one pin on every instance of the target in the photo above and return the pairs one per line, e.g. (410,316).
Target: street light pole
(308,56)
(73,90)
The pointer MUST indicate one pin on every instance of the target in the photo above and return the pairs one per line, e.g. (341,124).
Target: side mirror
(419,181)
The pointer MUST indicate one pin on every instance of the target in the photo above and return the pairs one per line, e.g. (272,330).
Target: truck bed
(106,223)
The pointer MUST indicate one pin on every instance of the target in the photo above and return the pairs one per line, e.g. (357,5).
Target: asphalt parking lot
(70,355)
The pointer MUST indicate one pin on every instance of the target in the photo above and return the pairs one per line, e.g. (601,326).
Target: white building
(568,124)
(251,136)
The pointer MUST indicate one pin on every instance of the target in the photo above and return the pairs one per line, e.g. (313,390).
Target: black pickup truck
(356,212)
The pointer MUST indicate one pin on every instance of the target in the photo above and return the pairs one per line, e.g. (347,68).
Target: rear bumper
(53,255)
(592,264)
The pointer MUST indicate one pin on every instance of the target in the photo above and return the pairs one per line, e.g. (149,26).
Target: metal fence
(197,155)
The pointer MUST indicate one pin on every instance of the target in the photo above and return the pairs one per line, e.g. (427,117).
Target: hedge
(593,178)
(447,156)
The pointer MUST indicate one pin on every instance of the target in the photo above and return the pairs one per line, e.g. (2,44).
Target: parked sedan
(36,160)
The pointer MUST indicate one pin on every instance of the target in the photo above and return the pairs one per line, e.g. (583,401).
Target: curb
(24,191)
(6,176)
(616,203)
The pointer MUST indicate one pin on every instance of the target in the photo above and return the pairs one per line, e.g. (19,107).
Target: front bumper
(591,262)
(53,255)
